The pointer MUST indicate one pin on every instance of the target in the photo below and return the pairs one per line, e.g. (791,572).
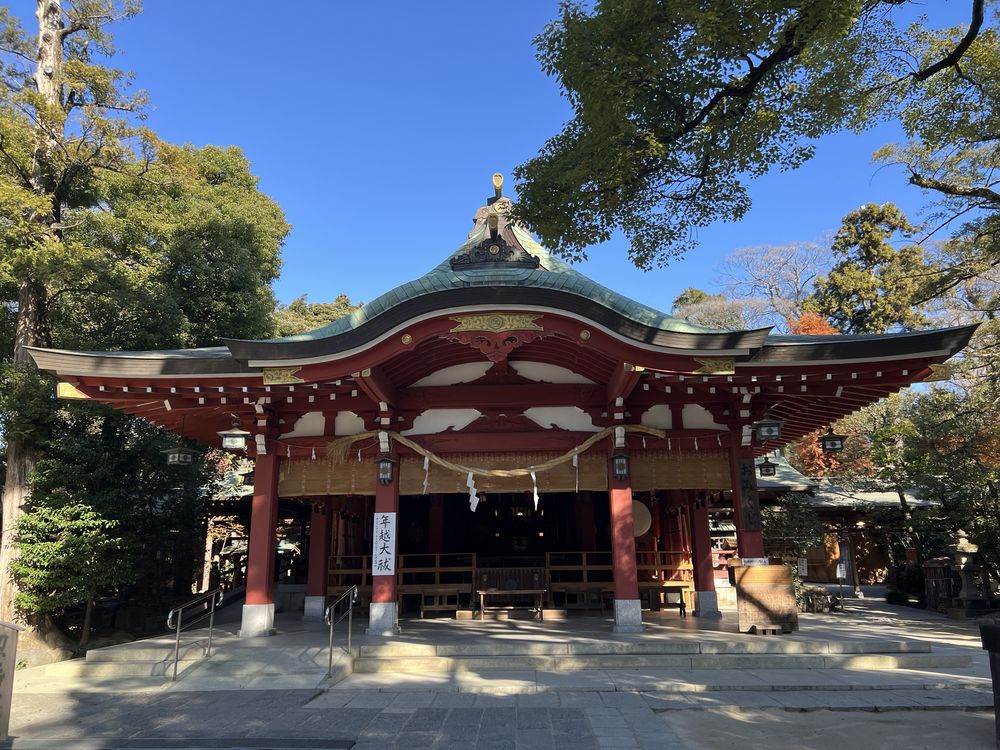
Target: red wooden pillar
(628,612)
(706,601)
(320,535)
(382,613)
(746,504)
(258,611)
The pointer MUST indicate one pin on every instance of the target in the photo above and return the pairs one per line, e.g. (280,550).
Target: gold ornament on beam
(938,373)
(715,366)
(496,322)
(69,391)
(498,184)
(282,376)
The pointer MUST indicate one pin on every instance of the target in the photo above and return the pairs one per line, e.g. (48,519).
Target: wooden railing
(664,566)
(346,571)
(574,580)
(442,581)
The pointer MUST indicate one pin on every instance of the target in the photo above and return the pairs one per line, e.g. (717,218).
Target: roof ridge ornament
(500,246)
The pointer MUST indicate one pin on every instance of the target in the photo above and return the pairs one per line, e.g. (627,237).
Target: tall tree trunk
(88,617)
(32,320)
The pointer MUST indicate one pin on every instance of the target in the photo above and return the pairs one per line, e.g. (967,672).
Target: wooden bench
(510,597)
(511,584)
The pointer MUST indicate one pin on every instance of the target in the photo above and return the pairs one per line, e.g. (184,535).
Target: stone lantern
(970,599)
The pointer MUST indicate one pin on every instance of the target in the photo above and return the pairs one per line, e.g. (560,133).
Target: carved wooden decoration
(496,322)
(282,376)
(496,346)
(715,366)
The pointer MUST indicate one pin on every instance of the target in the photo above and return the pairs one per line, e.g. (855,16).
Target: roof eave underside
(484,297)
(217,362)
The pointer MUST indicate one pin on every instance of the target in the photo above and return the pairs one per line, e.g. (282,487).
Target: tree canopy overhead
(677,105)
(111,238)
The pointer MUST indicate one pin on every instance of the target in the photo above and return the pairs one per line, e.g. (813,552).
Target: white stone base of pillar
(628,616)
(258,620)
(706,604)
(315,607)
(382,619)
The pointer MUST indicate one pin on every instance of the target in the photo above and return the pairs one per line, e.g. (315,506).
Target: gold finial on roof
(498,184)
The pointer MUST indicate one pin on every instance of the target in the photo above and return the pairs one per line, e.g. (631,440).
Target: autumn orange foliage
(811,324)
(808,457)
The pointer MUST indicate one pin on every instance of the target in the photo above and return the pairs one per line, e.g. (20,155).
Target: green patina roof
(551,274)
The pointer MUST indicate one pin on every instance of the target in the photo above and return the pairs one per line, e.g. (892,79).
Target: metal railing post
(211,624)
(329,617)
(177,644)
(215,597)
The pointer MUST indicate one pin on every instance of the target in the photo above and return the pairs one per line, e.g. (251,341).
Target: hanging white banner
(384,545)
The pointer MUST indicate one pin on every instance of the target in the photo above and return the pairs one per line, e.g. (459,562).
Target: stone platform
(273,692)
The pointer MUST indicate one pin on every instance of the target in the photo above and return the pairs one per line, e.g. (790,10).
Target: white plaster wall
(348,423)
(546,373)
(455,374)
(308,425)
(699,418)
(658,416)
(564,417)
(438,420)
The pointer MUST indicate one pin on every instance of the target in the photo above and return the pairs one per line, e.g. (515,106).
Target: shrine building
(505,424)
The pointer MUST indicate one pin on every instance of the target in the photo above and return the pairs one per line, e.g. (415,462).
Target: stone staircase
(572,656)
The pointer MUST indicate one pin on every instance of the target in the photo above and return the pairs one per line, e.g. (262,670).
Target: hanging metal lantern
(767,467)
(831,443)
(385,469)
(767,429)
(235,438)
(619,466)
(179,456)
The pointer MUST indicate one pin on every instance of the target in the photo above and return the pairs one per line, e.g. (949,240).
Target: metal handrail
(328,618)
(215,597)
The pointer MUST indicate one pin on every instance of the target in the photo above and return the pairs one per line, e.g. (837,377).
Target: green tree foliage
(69,554)
(677,104)
(956,438)
(111,239)
(301,316)
(874,286)
(792,526)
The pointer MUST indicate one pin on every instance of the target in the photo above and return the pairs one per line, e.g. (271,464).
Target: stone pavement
(230,702)
(413,720)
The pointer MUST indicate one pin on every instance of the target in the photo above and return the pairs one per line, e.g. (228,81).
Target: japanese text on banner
(384,545)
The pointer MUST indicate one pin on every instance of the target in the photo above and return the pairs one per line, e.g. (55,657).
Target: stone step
(134,668)
(666,647)
(217,665)
(574,663)
(664,682)
(827,700)
(158,648)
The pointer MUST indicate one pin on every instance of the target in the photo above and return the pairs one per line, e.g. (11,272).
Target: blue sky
(377,126)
